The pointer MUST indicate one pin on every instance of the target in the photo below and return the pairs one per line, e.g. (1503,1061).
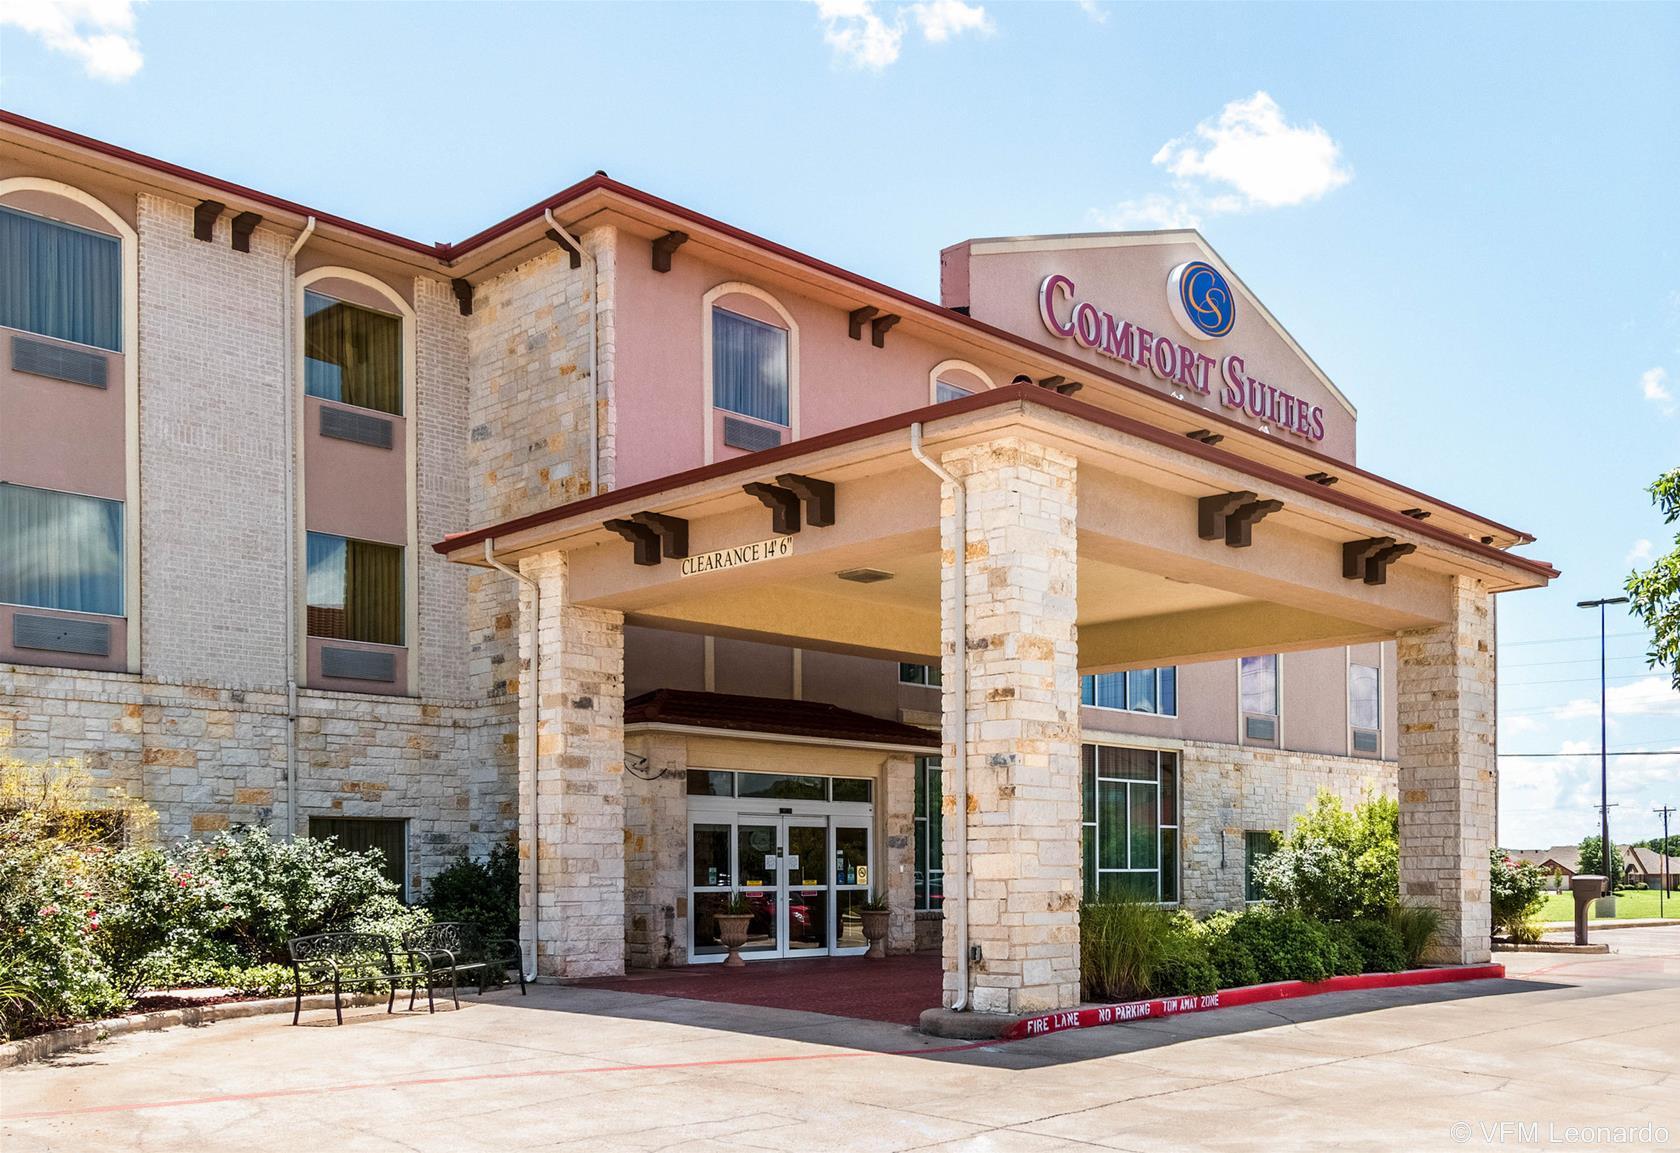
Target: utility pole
(1662,886)
(1603,739)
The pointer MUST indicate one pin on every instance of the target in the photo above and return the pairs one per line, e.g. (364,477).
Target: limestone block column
(577,830)
(896,859)
(1020,557)
(1447,772)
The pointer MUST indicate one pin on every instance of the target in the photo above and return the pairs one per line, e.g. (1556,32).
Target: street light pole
(1604,849)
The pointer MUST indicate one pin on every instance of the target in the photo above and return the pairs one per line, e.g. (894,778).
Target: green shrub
(1121,943)
(1230,957)
(1285,945)
(483,893)
(1346,957)
(1334,864)
(1517,889)
(1184,969)
(1416,926)
(1380,946)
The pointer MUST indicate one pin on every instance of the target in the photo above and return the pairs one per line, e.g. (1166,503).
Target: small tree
(1335,864)
(1655,591)
(1592,861)
(1518,889)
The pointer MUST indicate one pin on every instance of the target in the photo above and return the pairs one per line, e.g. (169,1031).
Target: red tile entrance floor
(896,989)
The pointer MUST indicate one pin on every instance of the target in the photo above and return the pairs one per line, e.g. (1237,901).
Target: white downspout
(594,323)
(959,690)
(287,272)
(528,743)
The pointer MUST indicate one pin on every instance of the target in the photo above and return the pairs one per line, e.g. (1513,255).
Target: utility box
(1586,888)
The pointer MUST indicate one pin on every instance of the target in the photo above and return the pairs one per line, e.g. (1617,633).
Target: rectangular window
(1257,846)
(919,675)
(930,848)
(359,834)
(1138,691)
(352,354)
(61,551)
(1365,708)
(60,281)
(355,590)
(1130,826)
(749,367)
(1259,691)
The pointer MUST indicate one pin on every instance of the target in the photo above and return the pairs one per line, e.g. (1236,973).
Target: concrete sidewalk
(592,1069)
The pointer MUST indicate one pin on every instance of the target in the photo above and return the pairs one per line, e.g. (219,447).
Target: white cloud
(99,33)
(1639,553)
(1247,157)
(1094,10)
(868,36)
(1653,384)
(1652,696)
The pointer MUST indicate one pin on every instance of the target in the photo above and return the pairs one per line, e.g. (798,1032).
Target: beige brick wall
(213,442)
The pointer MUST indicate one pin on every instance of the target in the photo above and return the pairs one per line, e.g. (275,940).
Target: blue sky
(1466,214)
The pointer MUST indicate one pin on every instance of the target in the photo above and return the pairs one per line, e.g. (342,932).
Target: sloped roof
(810,719)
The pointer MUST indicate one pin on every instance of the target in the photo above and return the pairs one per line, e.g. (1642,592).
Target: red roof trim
(1006,395)
(446,252)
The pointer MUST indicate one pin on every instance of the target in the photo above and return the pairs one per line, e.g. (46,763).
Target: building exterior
(706,568)
(1642,867)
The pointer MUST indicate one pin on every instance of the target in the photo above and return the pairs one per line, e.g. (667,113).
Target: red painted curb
(1047,1023)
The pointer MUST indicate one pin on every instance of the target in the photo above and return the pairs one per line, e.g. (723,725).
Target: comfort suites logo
(1203,303)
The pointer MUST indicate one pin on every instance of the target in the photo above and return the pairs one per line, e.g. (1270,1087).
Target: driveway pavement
(1568,1051)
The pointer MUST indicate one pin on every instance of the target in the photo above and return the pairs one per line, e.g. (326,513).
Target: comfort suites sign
(1205,308)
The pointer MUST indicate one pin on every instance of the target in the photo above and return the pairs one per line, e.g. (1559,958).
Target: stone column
(897,857)
(1447,767)
(1020,556)
(578,829)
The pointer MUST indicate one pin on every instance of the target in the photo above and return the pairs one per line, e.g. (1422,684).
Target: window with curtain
(59,280)
(1130,825)
(59,550)
(355,590)
(749,367)
(352,354)
(1259,685)
(930,847)
(919,674)
(1365,707)
(944,390)
(1138,691)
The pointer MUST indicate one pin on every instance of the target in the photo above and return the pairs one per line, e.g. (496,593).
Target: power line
(1579,661)
(1594,753)
(1579,680)
(1565,640)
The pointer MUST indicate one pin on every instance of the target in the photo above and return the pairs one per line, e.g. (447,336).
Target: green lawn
(1630,903)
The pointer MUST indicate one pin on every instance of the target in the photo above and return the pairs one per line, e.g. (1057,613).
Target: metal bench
(350,959)
(456,947)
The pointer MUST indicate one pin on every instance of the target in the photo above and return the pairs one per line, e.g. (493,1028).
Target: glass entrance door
(804,878)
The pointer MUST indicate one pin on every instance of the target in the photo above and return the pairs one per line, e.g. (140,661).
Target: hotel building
(704,567)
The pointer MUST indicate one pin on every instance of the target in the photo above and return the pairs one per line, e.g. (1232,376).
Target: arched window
(751,370)
(951,379)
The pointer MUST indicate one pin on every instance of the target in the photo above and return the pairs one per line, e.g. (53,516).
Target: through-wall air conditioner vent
(355,427)
(746,435)
(39,358)
(61,635)
(1260,728)
(1366,740)
(358,664)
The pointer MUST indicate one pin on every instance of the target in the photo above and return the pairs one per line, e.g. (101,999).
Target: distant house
(1642,867)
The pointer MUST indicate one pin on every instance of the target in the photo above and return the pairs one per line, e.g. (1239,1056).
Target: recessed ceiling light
(864,576)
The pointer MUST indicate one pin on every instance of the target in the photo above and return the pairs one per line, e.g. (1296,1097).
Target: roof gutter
(958,706)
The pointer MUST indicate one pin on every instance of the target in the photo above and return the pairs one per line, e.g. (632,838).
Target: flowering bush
(1337,865)
(1518,889)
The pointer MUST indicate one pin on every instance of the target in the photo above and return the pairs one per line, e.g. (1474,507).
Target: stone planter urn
(732,931)
(875,932)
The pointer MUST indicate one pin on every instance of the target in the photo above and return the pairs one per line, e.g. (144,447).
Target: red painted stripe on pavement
(1047,1023)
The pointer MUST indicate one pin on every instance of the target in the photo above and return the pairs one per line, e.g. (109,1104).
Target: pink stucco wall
(117,661)
(34,412)
(355,490)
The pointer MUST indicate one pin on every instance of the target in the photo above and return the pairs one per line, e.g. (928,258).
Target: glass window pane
(782,787)
(60,281)
(1111,690)
(1169,788)
(1169,864)
(1137,886)
(946,392)
(1144,830)
(711,856)
(852,789)
(1257,846)
(1259,685)
(1169,691)
(851,856)
(1088,846)
(62,551)
(919,864)
(1140,690)
(749,367)
(1363,697)
(710,783)
(1088,690)
(1111,825)
(362,834)
(351,354)
(1137,764)
(758,848)
(354,590)
(1088,786)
